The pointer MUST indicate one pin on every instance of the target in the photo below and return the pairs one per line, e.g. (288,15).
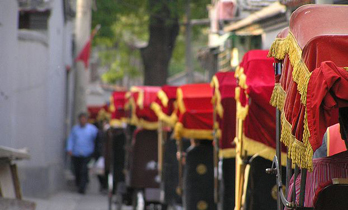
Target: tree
(163,30)
(124,27)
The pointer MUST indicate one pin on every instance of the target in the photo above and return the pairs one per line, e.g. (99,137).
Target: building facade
(36,51)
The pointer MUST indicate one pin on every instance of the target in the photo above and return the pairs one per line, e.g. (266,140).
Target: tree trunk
(163,30)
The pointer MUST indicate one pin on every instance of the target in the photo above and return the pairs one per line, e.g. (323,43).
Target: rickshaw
(93,112)
(195,122)
(142,155)
(256,134)
(310,95)
(114,147)
(166,109)
(224,84)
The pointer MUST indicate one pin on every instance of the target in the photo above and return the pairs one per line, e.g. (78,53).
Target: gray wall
(8,43)
(33,77)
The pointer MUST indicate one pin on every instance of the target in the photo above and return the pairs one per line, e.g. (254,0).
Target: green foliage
(124,27)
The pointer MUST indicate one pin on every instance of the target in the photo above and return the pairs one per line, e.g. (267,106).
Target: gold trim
(170,120)
(180,100)
(227,153)
(300,152)
(103,115)
(202,205)
(278,97)
(242,111)
(140,100)
(112,105)
(256,148)
(217,96)
(241,77)
(147,124)
(118,122)
(201,169)
(162,96)
(180,131)
(328,142)
(300,74)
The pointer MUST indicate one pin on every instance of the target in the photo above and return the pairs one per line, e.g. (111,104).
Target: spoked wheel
(110,191)
(138,200)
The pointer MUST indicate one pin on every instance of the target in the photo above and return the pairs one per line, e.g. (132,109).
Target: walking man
(80,147)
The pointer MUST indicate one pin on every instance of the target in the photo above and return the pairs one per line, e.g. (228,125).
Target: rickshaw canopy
(139,104)
(116,108)
(317,33)
(96,113)
(165,106)
(255,76)
(224,84)
(195,112)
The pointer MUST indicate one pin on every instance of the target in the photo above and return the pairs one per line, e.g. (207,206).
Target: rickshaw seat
(324,170)
(315,20)
(332,197)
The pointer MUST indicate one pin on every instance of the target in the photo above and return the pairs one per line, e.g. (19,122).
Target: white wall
(8,50)
(269,36)
(33,77)
(30,99)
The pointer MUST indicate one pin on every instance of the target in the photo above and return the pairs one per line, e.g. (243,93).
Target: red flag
(86,50)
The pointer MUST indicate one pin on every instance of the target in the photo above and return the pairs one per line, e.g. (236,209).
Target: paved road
(70,200)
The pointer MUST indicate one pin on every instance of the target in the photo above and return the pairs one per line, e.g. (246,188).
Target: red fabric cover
(335,47)
(324,170)
(327,90)
(198,108)
(119,102)
(150,95)
(335,143)
(283,33)
(315,20)
(227,124)
(94,110)
(170,92)
(259,124)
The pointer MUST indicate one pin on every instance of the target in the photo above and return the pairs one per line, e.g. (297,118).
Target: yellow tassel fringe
(300,152)
(278,97)
(300,74)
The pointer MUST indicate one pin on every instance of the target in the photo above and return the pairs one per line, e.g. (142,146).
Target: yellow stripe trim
(254,147)
(216,100)
(170,120)
(163,97)
(181,132)
(180,100)
(227,153)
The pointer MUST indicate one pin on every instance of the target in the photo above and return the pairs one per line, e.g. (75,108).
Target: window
(35,20)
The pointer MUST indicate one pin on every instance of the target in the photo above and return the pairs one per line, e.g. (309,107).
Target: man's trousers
(81,172)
